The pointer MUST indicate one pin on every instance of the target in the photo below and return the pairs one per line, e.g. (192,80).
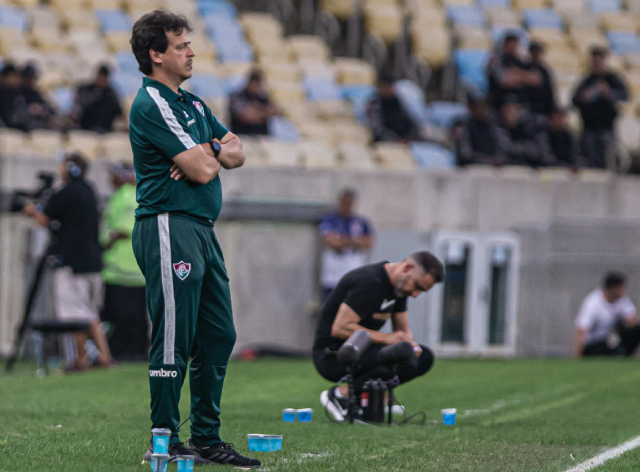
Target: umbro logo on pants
(163,373)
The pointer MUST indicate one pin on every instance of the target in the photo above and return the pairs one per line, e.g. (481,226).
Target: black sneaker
(223,454)
(337,407)
(177,449)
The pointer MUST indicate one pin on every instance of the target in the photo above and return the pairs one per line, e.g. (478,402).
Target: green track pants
(189,303)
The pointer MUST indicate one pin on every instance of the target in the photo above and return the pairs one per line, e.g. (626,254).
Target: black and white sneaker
(175,450)
(337,407)
(223,454)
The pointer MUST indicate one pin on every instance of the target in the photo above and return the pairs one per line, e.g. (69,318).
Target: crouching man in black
(366,298)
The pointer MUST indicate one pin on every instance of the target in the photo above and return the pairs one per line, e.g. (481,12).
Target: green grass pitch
(513,415)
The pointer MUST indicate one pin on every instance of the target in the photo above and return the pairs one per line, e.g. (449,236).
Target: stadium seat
(618,22)
(283,130)
(321,89)
(44,143)
(355,156)
(80,20)
(582,21)
(280,153)
(352,133)
(281,72)
(462,3)
(126,62)
(49,40)
(541,19)
(432,45)
(317,69)
(254,152)
(306,46)
(529,4)
(471,67)
(412,98)
(118,41)
(333,110)
(624,43)
(354,71)
(218,8)
(443,114)
(394,156)
(316,130)
(113,5)
(601,6)
(474,38)
(503,17)
(429,18)
(114,21)
(11,17)
(432,156)
(549,36)
(43,17)
(204,49)
(281,92)
(298,111)
(563,59)
(116,147)
(494,4)
(234,52)
(126,83)
(465,16)
(86,142)
(63,98)
(317,155)
(383,20)
(341,9)
(222,30)
(206,86)
(568,7)
(12,142)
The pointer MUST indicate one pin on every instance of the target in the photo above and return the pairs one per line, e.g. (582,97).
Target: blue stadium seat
(465,16)
(126,83)
(114,20)
(234,52)
(494,4)
(126,62)
(234,83)
(358,95)
(282,129)
(600,6)
(412,98)
(432,156)
(206,86)
(64,98)
(13,18)
(471,65)
(623,43)
(218,8)
(542,19)
(222,30)
(321,89)
(443,114)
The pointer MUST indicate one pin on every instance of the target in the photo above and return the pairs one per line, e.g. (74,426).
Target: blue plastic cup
(305,415)
(449,416)
(265,442)
(159,462)
(185,463)
(161,440)
(289,415)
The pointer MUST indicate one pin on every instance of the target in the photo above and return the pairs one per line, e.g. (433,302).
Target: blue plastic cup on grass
(305,415)
(161,440)
(265,442)
(159,462)
(289,415)
(185,463)
(449,416)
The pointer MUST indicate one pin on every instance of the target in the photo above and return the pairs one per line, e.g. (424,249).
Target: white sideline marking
(606,455)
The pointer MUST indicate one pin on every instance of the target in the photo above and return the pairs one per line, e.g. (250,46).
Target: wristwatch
(215,145)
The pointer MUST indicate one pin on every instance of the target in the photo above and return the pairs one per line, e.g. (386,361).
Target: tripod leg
(33,290)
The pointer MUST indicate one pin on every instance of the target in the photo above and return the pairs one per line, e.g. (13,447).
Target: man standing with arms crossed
(179,148)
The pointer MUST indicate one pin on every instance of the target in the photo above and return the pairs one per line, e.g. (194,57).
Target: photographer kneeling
(366,298)
(71,214)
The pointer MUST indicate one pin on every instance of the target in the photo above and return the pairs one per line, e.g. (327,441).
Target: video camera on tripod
(372,398)
(39,195)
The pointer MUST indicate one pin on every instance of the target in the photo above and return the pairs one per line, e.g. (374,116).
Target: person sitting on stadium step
(96,104)
(32,111)
(608,323)
(250,108)
(365,299)
(564,147)
(476,138)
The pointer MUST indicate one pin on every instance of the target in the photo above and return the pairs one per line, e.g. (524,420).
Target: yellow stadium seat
(228,69)
(116,147)
(203,66)
(280,153)
(333,109)
(355,156)
(259,26)
(49,40)
(341,9)
(502,17)
(432,18)
(563,59)
(317,131)
(581,21)
(105,4)
(44,143)
(317,155)
(354,71)
(86,142)
(434,46)
(284,91)
(473,38)
(202,46)
(184,7)
(253,151)
(618,21)
(584,39)
(549,36)
(463,3)
(353,132)
(568,6)
(43,17)
(311,68)
(271,50)
(11,39)
(307,46)
(281,71)
(526,4)
(632,60)
(394,156)
(79,20)
(298,111)
(384,21)
(118,41)
(12,142)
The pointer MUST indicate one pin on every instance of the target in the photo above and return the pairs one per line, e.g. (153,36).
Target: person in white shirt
(607,323)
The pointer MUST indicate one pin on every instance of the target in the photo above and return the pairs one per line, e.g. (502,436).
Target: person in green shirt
(124,299)
(179,148)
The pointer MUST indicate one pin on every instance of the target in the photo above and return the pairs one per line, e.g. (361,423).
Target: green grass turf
(515,415)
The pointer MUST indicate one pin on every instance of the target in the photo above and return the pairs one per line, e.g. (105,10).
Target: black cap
(255,76)
(597,50)
(29,71)
(536,46)
(9,68)
(104,69)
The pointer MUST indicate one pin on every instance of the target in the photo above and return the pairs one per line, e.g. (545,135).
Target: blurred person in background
(508,74)
(477,137)
(250,108)
(96,104)
(540,96)
(31,110)
(563,146)
(608,323)
(125,295)
(387,117)
(72,215)
(9,92)
(597,97)
(346,240)
(520,139)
